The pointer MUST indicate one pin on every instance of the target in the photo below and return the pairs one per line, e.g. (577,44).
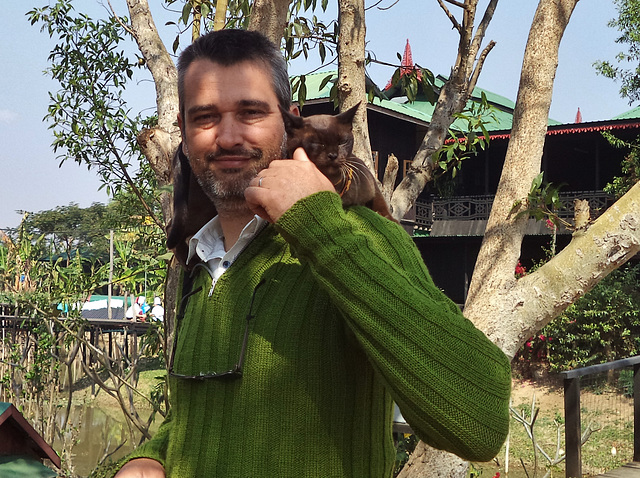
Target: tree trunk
(511,316)
(269,17)
(494,275)
(493,279)
(426,462)
(452,99)
(159,144)
(351,73)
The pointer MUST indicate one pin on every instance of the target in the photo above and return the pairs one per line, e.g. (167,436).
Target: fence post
(572,427)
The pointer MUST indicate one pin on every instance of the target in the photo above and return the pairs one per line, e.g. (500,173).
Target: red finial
(578,117)
(406,65)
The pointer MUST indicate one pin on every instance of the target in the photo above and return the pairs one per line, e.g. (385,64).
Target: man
(303,321)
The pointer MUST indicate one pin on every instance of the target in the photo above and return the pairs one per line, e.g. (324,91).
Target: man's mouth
(233,159)
(232,162)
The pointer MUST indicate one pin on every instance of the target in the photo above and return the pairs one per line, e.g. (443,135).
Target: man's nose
(229,133)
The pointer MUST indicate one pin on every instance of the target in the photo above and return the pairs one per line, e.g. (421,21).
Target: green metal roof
(18,467)
(500,119)
(631,114)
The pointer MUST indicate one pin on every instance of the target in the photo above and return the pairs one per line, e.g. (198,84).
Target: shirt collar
(208,242)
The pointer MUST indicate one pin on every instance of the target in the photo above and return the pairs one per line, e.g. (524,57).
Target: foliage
(630,166)
(543,200)
(628,24)
(91,122)
(70,229)
(406,443)
(472,121)
(602,326)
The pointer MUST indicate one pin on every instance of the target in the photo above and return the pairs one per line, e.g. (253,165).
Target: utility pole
(109,312)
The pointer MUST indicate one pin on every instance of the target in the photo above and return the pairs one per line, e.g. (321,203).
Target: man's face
(231,128)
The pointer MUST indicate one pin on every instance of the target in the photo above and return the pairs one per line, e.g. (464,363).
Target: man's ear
(293,109)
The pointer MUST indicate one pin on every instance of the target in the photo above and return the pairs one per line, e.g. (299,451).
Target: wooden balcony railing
(477,208)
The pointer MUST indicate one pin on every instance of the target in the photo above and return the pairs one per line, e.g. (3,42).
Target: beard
(226,187)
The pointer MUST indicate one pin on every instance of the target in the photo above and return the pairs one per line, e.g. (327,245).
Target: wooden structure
(630,470)
(449,218)
(573,428)
(19,440)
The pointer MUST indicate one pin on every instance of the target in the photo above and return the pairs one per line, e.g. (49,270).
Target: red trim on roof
(43,449)
(580,128)
(569,129)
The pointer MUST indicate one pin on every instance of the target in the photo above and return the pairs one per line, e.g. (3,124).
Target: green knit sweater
(347,320)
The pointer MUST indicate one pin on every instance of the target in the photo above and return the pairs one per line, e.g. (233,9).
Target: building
(449,218)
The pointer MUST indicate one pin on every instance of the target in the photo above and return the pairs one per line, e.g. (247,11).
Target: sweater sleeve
(450,381)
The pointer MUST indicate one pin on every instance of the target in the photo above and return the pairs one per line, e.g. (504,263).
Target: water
(98,433)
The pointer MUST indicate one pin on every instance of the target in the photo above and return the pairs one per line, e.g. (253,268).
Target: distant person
(144,308)
(157,311)
(133,311)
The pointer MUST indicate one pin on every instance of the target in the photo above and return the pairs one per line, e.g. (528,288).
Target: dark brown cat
(192,208)
(328,141)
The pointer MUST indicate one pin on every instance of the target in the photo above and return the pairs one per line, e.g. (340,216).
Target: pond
(98,433)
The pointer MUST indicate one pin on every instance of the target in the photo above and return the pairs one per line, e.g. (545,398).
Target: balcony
(468,215)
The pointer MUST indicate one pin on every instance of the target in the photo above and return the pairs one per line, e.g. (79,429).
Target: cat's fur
(328,141)
(192,208)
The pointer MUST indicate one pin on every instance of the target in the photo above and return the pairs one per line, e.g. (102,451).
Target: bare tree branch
(478,68)
(457,4)
(484,24)
(455,23)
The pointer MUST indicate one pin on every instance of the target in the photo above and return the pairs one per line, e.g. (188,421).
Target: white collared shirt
(208,245)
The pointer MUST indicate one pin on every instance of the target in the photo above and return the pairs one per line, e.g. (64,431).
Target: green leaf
(537,182)
(324,82)
(186,13)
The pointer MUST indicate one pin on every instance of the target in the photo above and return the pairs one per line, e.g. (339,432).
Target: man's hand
(141,468)
(282,184)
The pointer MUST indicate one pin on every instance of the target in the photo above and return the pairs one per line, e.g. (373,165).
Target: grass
(606,410)
(601,406)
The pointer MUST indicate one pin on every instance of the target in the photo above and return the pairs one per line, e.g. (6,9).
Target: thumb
(301,155)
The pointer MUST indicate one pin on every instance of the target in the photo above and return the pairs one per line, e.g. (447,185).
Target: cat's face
(327,140)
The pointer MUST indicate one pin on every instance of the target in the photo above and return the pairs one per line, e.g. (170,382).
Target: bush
(602,326)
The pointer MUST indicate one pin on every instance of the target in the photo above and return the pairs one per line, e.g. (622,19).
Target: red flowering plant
(533,355)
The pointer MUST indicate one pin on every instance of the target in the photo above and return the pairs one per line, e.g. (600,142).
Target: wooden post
(573,430)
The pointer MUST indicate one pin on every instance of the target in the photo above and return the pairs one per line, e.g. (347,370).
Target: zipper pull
(213,284)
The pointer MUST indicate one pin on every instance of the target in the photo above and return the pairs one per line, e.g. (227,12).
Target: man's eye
(203,118)
(252,113)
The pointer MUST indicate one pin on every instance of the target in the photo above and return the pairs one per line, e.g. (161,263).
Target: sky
(32,178)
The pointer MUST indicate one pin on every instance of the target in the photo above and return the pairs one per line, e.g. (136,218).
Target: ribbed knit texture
(347,320)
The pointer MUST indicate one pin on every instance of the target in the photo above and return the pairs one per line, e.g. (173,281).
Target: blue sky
(30,176)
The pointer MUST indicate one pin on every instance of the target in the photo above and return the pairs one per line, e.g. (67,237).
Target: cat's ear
(347,116)
(291,121)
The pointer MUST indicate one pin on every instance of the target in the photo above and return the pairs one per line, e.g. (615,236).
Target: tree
(508,310)
(628,23)
(70,229)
